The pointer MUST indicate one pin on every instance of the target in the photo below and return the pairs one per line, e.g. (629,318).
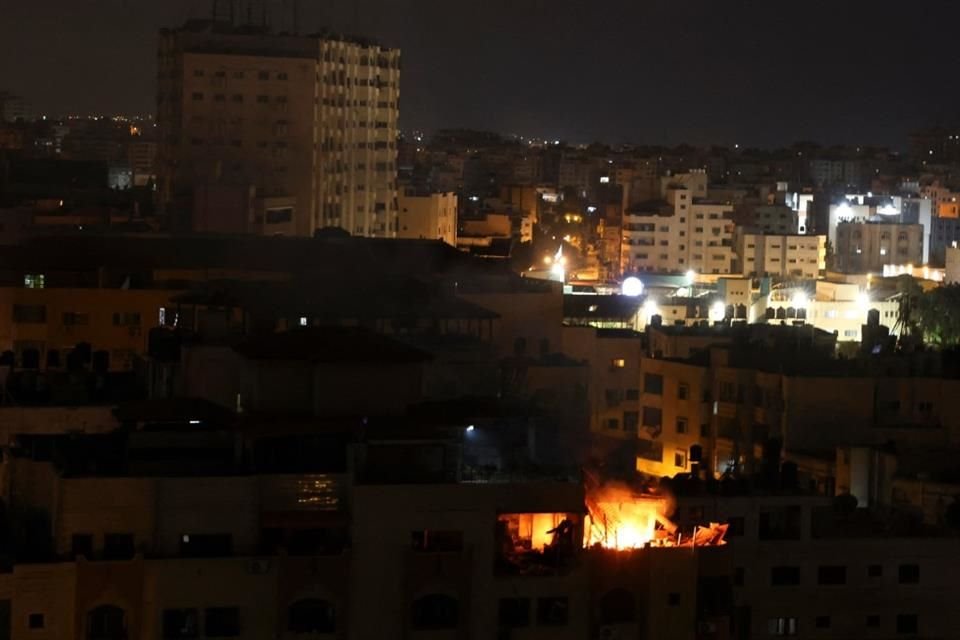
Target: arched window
(436,611)
(312,615)
(791,312)
(771,313)
(781,313)
(107,622)
(617,606)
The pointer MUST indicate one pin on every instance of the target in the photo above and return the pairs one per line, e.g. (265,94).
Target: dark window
(630,420)
(513,613)
(739,576)
(552,612)
(909,574)
(437,540)
(653,383)
(107,622)
(907,623)
(35,621)
(618,606)
(822,622)
(206,545)
(613,424)
(652,417)
(832,575)
(279,216)
(780,524)
(681,425)
(736,526)
(180,623)
(673,599)
(436,611)
(784,576)
(875,571)
(30,313)
(118,546)
(683,391)
(312,615)
(81,544)
(221,622)
(873,621)
(632,394)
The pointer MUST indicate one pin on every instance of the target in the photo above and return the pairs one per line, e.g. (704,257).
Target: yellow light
(547,260)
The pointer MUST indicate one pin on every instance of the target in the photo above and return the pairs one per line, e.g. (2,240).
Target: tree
(939,311)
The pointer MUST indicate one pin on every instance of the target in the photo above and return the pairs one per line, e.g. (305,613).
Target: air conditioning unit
(258,567)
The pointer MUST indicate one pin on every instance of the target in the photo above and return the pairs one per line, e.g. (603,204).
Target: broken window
(536,543)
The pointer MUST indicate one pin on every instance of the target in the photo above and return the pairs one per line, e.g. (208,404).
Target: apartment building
(302,130)
(427,216)
(780,256)
(864,247)
(680,234)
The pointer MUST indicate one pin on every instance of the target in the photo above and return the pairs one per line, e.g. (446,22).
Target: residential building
(311,121)
(780,256)
(430,216)
(864,247)
(678,235)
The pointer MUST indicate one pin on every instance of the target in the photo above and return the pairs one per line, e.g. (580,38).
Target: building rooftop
(330,345)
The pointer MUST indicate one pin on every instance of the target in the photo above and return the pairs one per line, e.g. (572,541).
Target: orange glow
(620,519)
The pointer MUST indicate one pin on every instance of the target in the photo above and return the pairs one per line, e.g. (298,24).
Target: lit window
(303,321)
(34,281)
(680,459)
(618,363)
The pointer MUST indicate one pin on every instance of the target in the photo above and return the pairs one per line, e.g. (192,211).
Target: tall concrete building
(302,130)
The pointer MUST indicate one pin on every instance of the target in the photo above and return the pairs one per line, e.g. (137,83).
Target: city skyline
(651,74)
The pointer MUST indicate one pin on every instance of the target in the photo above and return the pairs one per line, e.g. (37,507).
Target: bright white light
(591,209)
(604,179)
(718,311)
(650,309)
(863,299)
(691,276)
(844,211)
(303,321)
(470,428)
(631,287)
(800,300)
(194,422)
(474,198)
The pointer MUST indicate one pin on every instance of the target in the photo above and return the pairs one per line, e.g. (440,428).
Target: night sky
(645,71)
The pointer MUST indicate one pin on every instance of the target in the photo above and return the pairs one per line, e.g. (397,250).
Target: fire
(621,519)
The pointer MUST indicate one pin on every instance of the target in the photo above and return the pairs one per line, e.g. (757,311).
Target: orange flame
(621,519)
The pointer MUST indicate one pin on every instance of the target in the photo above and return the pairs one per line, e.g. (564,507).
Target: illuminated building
(865,247)
(780,256)
(430,216)
(302,129)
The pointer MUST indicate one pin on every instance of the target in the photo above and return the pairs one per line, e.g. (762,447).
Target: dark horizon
(620,72)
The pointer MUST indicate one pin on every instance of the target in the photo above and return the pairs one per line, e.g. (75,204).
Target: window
(613,424)
(822,622)
(206,545)
(653,383)
(673,599)
(552,612)
(263,75)
(34,281)
(312,615)
(652,417)
(875,571)
(282,76)
(198,73)
(126,319)
(261,99)
(613,397)
(36,621)
(631,420)
(908,574)
(832,575)
(30,313)
(81,544)
(513,613)
(107,622)
(631,394)
(221,622)
(784,576)
(436,611)
(736,526)
(180,623)
(430,540)
(118,546)
(279,216)
(782,626)
(683,391)
(873,621)
(618,363)
(71,319)
(197,96)
(681,425)
(739,576)
(907,623)
(219,97)
(680,459)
